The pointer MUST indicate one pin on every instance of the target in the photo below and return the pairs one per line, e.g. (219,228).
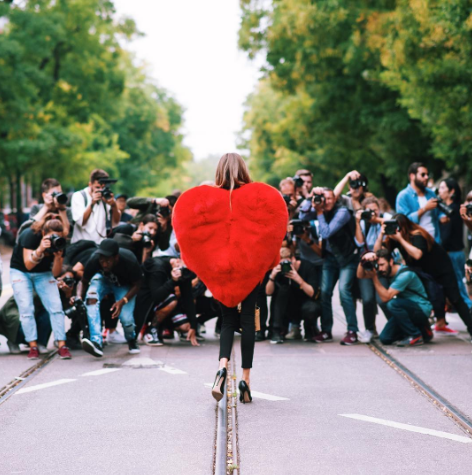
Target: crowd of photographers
(95,258)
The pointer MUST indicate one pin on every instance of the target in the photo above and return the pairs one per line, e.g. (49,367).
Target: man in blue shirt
(419,203)
(341,255)
(407,306)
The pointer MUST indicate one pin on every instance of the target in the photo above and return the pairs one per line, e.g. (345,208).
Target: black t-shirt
(435,262)
(452,232)
(30,240)
(126,272)
(307,272)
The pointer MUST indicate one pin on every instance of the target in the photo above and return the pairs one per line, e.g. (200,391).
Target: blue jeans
(43,325)
(369,303)
(346,275)
(458,262)
(98,288)
(406,319)
(23,284)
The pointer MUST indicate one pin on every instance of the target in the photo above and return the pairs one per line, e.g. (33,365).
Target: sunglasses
(422,175)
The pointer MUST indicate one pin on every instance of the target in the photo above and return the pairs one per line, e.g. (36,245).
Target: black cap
(121,195)
(108,248)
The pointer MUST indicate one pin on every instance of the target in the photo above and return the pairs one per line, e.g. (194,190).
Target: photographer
(341,256)
(121,200)
(94,210)
(139,239)
(116,271)
(358,190)
(55,201)
(368,227)
(407,304)
(419,203)
(466,211)
(166,293)
(307,178)
(420,250)
(451,228)
(295,288)
(291,195)
(36,261)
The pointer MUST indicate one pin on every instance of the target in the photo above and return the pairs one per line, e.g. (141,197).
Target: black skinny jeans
(233,321)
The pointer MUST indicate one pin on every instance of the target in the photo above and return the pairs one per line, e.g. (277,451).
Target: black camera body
(444,207)
(367,214)
(391,227)
(58,243)
(369,265)
(164,211)
(286,266)
(287,199)
(358,183)
(468,209)
(69,281)
(77,310)
(187,274)
(299,182)
(299,226)
(318,199)
(147,239)
(107,191)
(60,197)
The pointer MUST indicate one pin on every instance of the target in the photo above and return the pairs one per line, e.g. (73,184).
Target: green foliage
(71,98)
(366,85)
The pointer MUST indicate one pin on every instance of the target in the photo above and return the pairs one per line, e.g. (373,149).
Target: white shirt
(426,221)
(96,227)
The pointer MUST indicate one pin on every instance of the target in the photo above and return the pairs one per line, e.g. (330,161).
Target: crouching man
(406,303)
(116,271)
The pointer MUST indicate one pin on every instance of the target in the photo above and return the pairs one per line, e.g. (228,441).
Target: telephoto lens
(286,266)
(147,239)
(444,207)
(58,243)
(367,215)
(61,198)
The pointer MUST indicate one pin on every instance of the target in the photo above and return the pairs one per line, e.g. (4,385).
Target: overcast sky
(191,49)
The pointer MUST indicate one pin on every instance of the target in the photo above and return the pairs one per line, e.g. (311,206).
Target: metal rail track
(17,383)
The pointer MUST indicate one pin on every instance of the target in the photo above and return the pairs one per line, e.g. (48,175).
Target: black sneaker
(152,338)
(92,348)
(260,336)
(276,339)
(133,348)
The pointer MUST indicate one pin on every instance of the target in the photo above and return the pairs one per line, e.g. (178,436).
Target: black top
(308,273)
(436,262)
(30,240)
(126,217)
(452,232)
(126,272)
(158,283)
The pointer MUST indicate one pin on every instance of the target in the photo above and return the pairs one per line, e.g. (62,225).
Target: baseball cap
(121,195)
(108,248)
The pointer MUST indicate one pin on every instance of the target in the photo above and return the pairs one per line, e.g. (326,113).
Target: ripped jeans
(98,288)
(23,284)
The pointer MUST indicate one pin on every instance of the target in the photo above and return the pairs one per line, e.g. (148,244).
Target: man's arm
(385,294)
(340,219)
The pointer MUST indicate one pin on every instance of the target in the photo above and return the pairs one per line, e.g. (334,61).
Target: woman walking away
(230,236)
(36,261)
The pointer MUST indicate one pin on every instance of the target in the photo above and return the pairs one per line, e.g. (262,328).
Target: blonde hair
(231,172)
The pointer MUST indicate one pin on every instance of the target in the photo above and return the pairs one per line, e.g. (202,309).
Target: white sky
(191,49)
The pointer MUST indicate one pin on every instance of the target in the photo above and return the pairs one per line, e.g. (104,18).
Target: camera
(147,239)
(77,310)
(444,207)
(468,209)
(106,191)
(60,197)
(369,265)
(318,199)
(355,184)
(367,214)
(69,281)
(164,211)
(299,182)
(58,243)
(299,226)
(391,227)
(187,274)
(287,199)
(286,266)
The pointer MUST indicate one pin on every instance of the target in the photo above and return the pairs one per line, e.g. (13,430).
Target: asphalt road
(317,409)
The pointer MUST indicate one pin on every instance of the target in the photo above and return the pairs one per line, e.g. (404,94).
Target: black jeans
(233,321)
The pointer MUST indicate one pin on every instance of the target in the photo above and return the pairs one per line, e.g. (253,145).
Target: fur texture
(230,248)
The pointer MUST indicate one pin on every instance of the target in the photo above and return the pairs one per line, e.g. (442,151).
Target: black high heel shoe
(244,392)
(218,388)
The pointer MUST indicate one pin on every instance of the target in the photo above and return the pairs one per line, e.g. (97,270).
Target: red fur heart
(230,245)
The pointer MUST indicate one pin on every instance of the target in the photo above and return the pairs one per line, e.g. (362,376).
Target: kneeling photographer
(139,239)
(405,299)
(295,289)
(166,293)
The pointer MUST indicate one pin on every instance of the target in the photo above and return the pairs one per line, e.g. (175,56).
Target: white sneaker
(24,348)
(42,350)
(115,338)
(13,347)
(294,334)
(365,336)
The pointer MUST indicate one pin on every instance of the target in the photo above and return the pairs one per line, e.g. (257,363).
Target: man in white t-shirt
(92,212)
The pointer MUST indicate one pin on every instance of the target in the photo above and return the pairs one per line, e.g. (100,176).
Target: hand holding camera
(318,199)
(275,271)
(466,211)
(391,228)
(369,263)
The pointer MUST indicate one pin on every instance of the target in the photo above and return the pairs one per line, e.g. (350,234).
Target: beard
(419,184)
(386,272)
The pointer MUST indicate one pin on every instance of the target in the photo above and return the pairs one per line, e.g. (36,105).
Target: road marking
(99,372)
(258,395)
(170,370)
(44,385)
(142,362)
(420,430)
